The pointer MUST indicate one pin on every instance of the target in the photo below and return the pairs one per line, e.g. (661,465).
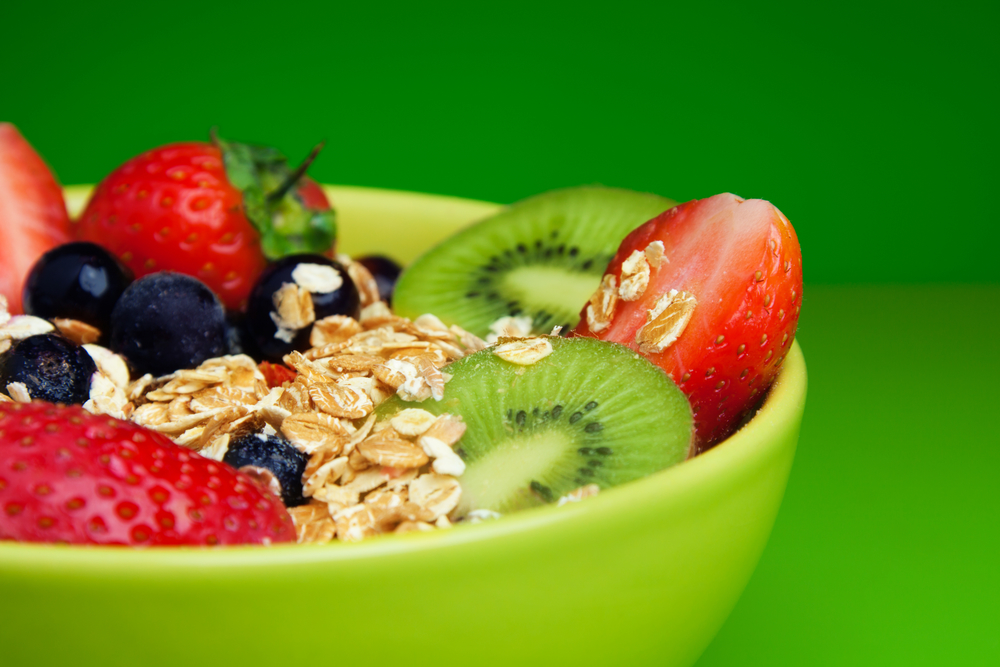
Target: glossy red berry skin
(174,208)
(68,476)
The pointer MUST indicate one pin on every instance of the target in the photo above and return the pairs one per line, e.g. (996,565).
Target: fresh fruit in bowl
(647,571)
(365,422)
(710,292)
(510,275)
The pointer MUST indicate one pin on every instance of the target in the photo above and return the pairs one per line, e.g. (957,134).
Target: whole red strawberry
(69,476)
(215,211)
(33,215)
(718,312)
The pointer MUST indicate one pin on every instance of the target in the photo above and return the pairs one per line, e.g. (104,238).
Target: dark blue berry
(385,272)
(52,368)
(276,455)
(168,321)
(236,342)
(269,341)
(79,281)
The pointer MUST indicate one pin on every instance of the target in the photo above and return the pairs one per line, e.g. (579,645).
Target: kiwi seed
(541,258)
(592,412)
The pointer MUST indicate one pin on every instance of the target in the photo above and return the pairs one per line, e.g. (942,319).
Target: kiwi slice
(541,258)
(591,412)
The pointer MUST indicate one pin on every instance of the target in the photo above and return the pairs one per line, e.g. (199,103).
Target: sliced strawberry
(734,268)
(33,216)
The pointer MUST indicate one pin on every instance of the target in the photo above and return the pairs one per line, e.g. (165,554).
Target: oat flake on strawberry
(710,292)
(215,211)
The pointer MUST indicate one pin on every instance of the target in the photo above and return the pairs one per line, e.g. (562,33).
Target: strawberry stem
(286,226)
(293,178)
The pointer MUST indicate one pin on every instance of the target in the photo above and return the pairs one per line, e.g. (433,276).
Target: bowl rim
(756,440)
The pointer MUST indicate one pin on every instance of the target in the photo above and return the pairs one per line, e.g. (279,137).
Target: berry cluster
(194,251)
(183,254)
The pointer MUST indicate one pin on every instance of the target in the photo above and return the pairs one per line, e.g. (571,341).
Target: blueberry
(330,288)
(52,368)
(385,272)
(236,341)
(274,454)
(168,321)
(79,281)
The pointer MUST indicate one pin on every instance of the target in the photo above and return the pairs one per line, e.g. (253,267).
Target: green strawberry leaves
(272,203)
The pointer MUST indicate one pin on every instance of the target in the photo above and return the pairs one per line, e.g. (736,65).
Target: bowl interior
(646,572)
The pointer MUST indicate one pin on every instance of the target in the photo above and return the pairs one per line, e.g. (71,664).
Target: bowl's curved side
(642,574)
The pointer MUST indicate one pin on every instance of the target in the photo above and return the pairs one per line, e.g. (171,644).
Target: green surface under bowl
(642,574)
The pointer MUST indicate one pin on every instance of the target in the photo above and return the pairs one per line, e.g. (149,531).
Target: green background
(871,125)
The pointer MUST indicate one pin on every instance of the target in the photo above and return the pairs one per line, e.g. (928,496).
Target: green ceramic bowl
(642,574)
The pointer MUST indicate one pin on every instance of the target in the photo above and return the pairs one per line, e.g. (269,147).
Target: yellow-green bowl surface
(642,574)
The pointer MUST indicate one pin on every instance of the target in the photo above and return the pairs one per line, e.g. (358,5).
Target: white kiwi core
(560,286)
(511,466)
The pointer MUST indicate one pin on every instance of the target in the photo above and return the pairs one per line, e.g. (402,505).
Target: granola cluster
(363,477)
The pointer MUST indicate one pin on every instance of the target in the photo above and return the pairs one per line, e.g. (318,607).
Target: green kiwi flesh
(542,257)
(591,412)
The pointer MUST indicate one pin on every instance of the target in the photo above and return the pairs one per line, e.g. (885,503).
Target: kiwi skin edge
(591,412)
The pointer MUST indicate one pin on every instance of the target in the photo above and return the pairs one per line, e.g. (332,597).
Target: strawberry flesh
(276,375)
(72,477)
(741,261)
(33,216)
